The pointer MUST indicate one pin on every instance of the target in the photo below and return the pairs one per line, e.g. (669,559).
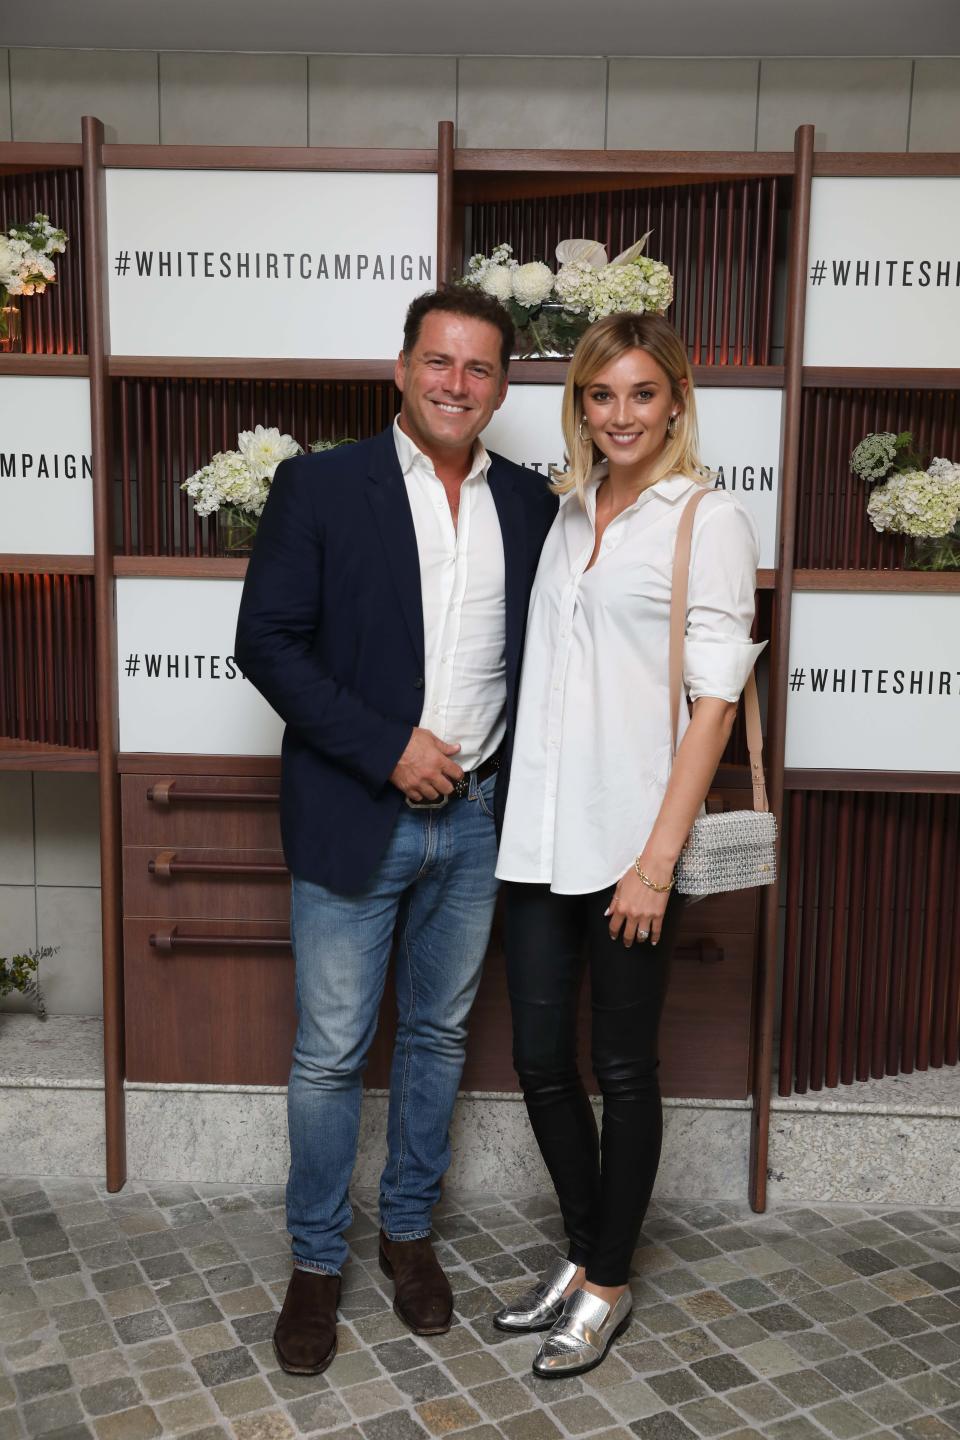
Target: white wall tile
(53,89)
(71,979)
(854,104)
(230,99)
(935,113)
(67,829)
(531,103)
(682,104)
(16,829)
(381,100)
(4,95)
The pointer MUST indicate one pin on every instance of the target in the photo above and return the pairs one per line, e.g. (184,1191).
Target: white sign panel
(739,435)
(46,474)
(883,273)
(180,689)
(874,683)
(241,263)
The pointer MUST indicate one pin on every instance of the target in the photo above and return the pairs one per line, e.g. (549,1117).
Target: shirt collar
(410,455)
(671,488)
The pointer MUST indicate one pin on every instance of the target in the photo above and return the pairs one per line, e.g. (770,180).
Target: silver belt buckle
(427,804)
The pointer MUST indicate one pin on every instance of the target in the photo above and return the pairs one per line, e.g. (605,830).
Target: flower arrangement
(550,310)
(25,265)
(921,503)
(237,482)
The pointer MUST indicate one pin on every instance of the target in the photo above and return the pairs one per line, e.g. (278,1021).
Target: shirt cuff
(719,668)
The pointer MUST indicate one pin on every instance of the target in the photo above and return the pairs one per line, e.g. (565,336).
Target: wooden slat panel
(52,323)
(47,660)
(871,978)
(718,238)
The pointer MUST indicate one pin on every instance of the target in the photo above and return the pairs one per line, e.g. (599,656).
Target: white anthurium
(582,252)
(626,256)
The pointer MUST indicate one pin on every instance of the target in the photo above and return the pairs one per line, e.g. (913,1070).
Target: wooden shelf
(684,165)
(909,782)
(25,155)
(31,755)
(15,364)
(181,567)
(226,367)
(266,157)
(143,762)
(46,564)
(839,377)
(554,372)
(880,582)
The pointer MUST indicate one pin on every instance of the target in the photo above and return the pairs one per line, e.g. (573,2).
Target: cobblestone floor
(149,1313)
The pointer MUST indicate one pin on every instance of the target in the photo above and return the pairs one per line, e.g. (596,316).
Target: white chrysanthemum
(532,284)
(874,455)
(264,448)
(498,282)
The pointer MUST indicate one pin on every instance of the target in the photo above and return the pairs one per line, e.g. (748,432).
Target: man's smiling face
(451,382)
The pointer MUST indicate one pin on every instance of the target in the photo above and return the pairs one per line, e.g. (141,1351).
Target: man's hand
(425,770)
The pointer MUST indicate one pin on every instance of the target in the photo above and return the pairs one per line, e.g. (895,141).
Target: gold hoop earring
(672,425)
(583,421)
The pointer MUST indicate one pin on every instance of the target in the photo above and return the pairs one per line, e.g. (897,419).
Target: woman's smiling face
(627,405)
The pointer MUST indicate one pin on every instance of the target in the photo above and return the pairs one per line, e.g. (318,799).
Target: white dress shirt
(464,617)
(592,751)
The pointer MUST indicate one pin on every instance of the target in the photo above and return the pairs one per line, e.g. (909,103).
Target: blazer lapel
(512,526)
(391,509)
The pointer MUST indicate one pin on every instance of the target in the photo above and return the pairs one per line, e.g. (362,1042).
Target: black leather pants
(604,1184)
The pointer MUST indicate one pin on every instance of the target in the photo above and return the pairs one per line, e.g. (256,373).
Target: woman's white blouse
(592,751)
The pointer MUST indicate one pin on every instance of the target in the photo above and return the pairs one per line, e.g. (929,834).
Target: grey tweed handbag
(737,849)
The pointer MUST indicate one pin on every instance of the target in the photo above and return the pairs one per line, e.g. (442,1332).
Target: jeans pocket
(485,795)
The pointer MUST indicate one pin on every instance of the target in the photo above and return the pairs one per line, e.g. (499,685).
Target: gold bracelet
(660,889)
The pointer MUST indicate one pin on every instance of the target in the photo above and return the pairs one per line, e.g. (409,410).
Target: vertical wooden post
(444,202)
(98,344)
(776,719)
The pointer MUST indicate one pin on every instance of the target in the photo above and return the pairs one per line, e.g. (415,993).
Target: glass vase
(236,530)
(550,333)
(933,553)
(9,324)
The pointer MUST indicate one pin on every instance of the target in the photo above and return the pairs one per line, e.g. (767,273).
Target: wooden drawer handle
(165,865)
(173,938)
(165,793)
(705,952)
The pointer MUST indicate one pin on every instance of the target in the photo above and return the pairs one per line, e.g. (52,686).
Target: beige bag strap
(678,627)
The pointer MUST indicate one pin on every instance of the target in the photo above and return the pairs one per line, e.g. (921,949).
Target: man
(383,617)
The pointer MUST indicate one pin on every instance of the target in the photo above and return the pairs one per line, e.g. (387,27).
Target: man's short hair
(460,300)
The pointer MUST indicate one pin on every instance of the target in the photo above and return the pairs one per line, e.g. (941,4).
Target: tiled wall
(50,884)
(240,99)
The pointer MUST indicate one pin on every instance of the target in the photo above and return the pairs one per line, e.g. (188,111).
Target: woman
(597,814)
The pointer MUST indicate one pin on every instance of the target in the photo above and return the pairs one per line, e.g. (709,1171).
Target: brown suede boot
(305,1340)
(423,1298)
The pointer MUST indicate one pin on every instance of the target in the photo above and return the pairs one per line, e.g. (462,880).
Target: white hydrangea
(532,284)
(264,448)
(497,281)
(25,264)
(641,285)
(227,480)
(917,502)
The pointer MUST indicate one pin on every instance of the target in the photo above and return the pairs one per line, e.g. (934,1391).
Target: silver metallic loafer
(583,1335)
(541,1307)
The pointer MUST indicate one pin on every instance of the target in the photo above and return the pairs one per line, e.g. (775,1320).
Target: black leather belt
(461,787)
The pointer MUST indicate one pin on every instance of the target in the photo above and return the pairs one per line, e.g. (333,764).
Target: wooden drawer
(208,1003)
(231,812)
(185,883)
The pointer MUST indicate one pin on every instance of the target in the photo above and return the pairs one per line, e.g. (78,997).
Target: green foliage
(317,445)
(21,974)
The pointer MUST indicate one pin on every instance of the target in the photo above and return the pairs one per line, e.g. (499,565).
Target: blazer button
(418,683)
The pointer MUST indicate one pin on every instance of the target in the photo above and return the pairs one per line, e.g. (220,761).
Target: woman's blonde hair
(605,341)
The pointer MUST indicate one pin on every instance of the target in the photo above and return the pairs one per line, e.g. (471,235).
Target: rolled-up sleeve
(718,653)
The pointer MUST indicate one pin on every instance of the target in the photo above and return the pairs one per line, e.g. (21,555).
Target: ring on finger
(643,934)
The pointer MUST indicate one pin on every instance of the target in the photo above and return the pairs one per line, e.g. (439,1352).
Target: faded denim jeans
(435,890)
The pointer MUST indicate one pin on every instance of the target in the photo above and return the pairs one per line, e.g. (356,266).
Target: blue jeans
(435,891)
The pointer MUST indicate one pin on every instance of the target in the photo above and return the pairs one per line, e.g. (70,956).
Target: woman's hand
(636,911)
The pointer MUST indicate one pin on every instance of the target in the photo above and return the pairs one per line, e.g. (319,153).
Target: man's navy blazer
(331,633)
